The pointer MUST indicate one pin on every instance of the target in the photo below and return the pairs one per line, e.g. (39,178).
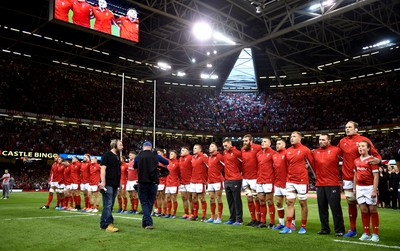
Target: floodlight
(202,31)
(318,5)
(164,66)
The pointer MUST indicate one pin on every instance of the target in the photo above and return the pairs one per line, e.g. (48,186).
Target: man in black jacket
(148,178)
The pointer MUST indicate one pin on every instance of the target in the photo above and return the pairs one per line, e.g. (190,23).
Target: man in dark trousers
(233,182)
(148,178)
(110,176)
(326,159)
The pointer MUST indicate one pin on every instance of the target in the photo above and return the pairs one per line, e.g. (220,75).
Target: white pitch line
(47,217)
(368,244)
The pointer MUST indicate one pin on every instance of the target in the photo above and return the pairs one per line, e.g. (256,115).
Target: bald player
(185,171)
(265,183)
(280,171)
(215,182)
(199,181)
(299,157)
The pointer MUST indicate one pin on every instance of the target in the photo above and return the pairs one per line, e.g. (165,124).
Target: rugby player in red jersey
(171,185)
(129,25)
(82,12)
(299,157)
(233,182)
(249,173)
(199,182)
(215,182)
(85,176)
(366,179)
(280,169)
(59,178)
(185,170)
(327,172)
(93,187)
(104,17)
(67,190)
(122,199)
(62,9)
(53,184)
(159,204)
(76,181)
(130,185)
(349,146)
(265,183)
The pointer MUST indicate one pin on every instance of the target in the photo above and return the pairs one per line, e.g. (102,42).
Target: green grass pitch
(26,227)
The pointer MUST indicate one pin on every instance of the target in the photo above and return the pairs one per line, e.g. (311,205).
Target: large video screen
(115,17)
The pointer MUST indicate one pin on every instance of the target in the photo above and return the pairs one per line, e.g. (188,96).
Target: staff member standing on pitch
(148,178)
(326,159)
(233,182)
(110,175)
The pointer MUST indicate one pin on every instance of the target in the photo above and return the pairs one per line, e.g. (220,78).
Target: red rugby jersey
(128,29)
(280,168)
(103,20)
(124,173)
(62,9)
(173,176)
(67,175)
(296,156)
(59,174)
(163,180)
(249,164)
(132,172)
(327,165)
(215,168)
(233,165)
(53,172)
(82,11)
(85,172)
(364,171)
(76,172)
(349,146)
(185,169)
(200,165)
(94,171)
(265,174)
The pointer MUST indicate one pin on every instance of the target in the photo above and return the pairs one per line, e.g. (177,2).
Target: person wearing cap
(148,178)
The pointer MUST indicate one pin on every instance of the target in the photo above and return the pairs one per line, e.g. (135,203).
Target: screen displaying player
(115,17)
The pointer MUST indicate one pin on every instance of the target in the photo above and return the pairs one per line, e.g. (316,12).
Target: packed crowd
(79,95)
(89,96)
(240,112)
(326,107)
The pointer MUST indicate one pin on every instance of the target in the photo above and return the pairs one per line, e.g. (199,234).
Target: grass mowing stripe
(368,244)
(115,215)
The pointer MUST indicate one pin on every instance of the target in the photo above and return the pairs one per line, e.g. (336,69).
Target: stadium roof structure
(293,42)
